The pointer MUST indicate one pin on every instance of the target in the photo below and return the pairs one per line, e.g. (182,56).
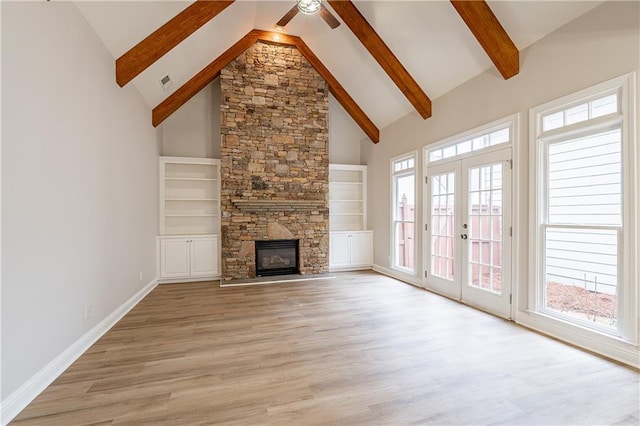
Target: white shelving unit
(350,244)
(189,245)
(347,197)
(189,196)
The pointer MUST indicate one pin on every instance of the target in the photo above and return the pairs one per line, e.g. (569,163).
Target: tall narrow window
(403,181)
(581,238)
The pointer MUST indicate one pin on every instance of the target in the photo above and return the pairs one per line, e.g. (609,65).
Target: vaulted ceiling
(440,44)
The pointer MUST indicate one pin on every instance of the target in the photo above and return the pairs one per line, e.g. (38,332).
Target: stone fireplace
(274,158)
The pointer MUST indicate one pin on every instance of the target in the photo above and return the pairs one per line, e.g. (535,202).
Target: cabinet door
(361,249)
(203,257)
(174,258)
(339,250)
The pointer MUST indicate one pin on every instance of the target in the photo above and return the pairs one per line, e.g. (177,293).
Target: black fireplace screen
(277,257)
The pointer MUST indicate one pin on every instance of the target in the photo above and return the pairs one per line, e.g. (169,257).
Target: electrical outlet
(140,276)
(87,311)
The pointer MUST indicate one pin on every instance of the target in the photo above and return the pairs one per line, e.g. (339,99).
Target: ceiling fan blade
(328,17)
(288,16)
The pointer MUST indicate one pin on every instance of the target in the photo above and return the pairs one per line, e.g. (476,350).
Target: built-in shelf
(189,196)
(347,197)
(350,244)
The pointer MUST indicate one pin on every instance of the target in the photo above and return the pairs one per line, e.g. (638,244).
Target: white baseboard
(21,397)
(404,277)
(188,280)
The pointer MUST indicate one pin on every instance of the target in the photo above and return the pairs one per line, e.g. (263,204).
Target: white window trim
(623,348)
(392,176)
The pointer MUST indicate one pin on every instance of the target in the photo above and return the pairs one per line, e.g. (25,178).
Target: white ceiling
(428,37)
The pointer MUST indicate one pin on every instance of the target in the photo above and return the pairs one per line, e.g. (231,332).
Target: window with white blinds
(580,197)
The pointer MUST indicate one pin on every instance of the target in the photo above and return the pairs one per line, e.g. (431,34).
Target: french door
(469,230)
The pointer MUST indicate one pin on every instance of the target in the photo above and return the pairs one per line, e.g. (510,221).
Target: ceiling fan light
(309,7)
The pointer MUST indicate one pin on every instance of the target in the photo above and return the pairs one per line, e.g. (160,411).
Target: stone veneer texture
(274,129)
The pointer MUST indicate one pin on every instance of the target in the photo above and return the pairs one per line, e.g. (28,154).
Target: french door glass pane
(442,217)
(485,228)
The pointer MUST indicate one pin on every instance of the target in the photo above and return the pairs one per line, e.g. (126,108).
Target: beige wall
(79,186)
(194,129)
(344,135)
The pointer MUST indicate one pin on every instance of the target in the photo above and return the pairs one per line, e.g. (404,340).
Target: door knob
(463,236)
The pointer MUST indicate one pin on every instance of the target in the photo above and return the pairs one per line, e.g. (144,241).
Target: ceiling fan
(309,7)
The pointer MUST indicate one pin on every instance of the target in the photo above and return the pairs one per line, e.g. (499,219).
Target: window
(403,181)
(470,144)
(582,188)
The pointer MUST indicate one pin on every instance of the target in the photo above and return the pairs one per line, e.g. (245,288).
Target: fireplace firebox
(277,257)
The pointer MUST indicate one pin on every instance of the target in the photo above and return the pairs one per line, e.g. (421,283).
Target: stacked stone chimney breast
(274,128)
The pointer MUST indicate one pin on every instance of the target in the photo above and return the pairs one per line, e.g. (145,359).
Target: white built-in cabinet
(188,246)
(350,244)
(188,257)
(350,250)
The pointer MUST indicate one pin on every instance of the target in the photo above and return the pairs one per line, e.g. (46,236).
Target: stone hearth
(274,158)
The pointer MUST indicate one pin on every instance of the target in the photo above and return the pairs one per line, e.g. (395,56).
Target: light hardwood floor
(359,349)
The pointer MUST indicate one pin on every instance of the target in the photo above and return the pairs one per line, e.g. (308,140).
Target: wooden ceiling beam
(165,38)
(490,34)
(383,55)
(211,71)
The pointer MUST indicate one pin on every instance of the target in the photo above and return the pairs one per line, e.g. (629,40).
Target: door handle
(463,236)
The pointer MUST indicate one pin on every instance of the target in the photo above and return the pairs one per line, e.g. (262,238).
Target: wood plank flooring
(358,349)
